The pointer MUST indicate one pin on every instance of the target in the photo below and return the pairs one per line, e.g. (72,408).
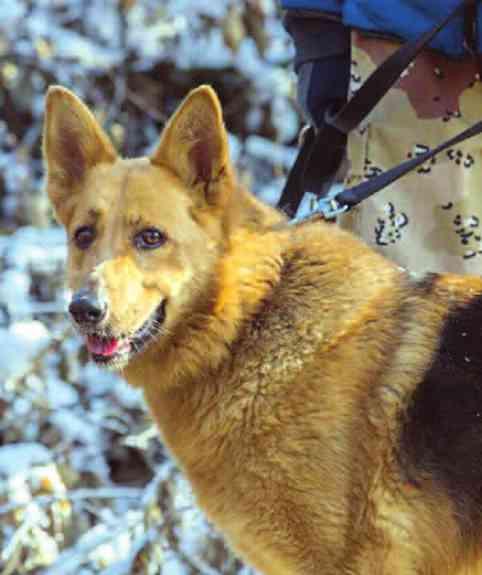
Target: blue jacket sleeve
(405,19)
(408,20)
(329,6)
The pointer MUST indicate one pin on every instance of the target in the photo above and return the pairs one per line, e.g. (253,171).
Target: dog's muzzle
(87,308)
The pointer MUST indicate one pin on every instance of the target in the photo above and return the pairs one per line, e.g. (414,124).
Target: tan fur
(269,381)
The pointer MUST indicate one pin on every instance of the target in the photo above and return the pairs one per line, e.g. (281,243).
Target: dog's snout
(87,308)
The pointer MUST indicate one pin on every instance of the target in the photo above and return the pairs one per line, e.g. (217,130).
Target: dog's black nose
(87,308)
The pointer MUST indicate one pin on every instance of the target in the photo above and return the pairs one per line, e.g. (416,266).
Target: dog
(325,405)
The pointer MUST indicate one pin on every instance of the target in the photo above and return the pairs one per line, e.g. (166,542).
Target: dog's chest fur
(274,425)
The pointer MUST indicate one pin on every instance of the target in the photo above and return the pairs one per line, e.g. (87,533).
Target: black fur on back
(442,430)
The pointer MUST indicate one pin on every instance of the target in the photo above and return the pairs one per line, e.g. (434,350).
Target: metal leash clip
(329,206)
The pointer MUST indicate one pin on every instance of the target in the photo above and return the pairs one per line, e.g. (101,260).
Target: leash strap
(341,201)
(322,151)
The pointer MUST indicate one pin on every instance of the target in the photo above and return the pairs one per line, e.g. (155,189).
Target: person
(431,219)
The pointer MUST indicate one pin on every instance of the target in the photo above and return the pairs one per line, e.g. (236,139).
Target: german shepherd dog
(325,405)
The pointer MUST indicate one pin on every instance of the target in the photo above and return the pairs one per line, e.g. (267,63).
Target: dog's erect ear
(194,144)
(73,141)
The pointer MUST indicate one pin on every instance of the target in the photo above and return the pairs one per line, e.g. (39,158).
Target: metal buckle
(328,206)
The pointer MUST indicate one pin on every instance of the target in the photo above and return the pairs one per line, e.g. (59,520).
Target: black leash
(345,199)
(321,152)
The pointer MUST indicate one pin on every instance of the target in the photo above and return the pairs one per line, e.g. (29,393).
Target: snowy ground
(85,485)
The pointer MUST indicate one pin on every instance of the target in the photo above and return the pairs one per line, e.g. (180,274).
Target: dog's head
(144,234)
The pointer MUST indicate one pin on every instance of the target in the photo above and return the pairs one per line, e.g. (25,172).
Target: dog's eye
(84,236)
(149,239)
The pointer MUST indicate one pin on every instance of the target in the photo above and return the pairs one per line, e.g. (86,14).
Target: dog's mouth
(106,347)
(111,351)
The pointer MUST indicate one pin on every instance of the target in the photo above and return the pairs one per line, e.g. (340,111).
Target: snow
(19,345)
(265,149)
(19,457)
(60,394)
(73,427)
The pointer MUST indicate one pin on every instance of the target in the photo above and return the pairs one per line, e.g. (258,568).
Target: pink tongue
(102,346)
